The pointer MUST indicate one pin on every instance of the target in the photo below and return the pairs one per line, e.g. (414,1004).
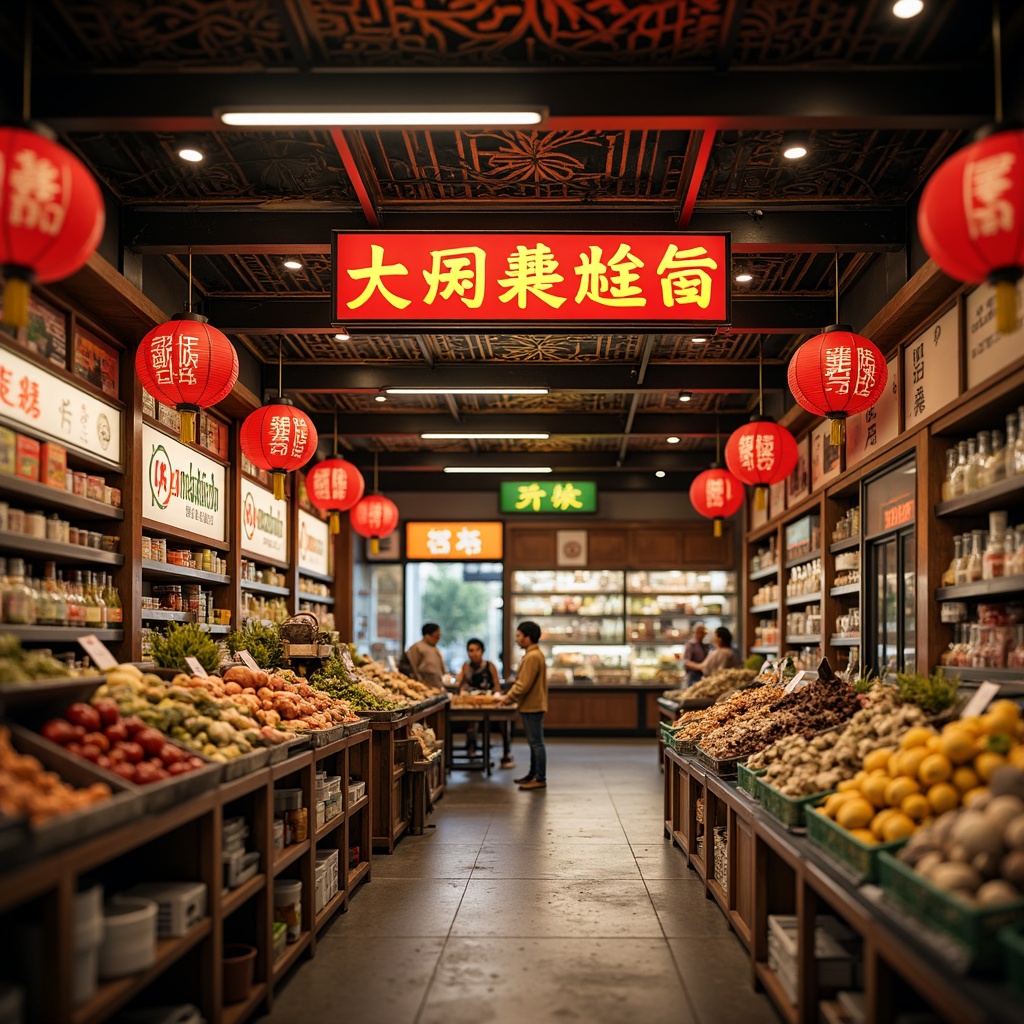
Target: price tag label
(197,669)
(98,651)
(391,663)
(799,681)
(983,696)
(248,660)
(346,660)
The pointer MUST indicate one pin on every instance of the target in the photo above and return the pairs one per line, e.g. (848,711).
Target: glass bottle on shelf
(993,565)
(77,595)
(115,615)
(947,482)
(978,461)
(1018,554)
(965,554)
(1018,444)
(1011,444)
(958,479)
(19,601)
(1015,659)
(995,465)
(55,594)
(95,606)
(974,559)
(949,576)
(45,604)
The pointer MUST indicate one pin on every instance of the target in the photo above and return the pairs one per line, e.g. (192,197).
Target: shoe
(525,778)
(507,762)
(534,784)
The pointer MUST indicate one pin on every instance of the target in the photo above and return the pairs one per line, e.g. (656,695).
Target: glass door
(894,623)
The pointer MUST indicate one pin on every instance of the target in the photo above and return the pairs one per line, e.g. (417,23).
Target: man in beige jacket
(426,660)
(530,692)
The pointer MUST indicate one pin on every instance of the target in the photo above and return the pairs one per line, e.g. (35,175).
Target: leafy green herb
(262,642)
(184,640)
(931,694)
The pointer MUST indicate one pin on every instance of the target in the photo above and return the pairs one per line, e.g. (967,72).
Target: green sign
(552,497)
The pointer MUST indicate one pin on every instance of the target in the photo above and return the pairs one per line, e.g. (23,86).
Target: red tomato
(97,739)
(133,753)
(146,773)
(91,752)
(116,755)
(170,754)
(107,709)
(179,768)
(134,725)
(60,731)
(74,748)
(151,740)
(79,732)
(117,731)
(103,761)
(196,763)
(125,770)
(84,715)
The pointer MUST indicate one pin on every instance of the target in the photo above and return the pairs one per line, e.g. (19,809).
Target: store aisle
(563,904)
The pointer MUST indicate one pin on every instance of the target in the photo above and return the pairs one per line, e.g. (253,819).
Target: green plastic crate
(789,810)
(974,928)
(861,858)
(1011,938)
(746,779)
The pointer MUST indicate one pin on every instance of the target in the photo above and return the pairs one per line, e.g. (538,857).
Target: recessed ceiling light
(380,398)
(466,391)
(743,277)
(907,8)
(659,473)
(342,335)
(497,469)
(193,156)
(292,264)
(685,396)
(672,440)
(698,341)
(795,145)
(368,117)
(795,151)
(484,437)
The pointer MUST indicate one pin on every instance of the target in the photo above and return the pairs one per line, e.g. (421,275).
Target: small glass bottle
(995,465)
(115,615)
(958,478)
(965,555)
(993,565)
(947,483)
(1018,444)
(93,611)
(1011,444)
(949,576)
(1018,554)
(19,600)
(978,461)
(974,559)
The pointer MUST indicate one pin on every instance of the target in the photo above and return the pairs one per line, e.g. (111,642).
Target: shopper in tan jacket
(530,692)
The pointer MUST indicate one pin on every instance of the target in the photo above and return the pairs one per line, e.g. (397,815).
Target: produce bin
(322,737)
(351,728)
(974,928)
(724,766)
(258,758)
(1011,938)
(859,857)
(746,779)
(789,810)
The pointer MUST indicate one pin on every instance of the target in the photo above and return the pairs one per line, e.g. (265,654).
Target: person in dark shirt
(694,654)
(482,675)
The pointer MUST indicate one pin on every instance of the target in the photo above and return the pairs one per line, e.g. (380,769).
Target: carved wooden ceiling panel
(537,348)
(241,274)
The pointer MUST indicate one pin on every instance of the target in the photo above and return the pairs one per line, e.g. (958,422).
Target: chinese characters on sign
(32,397)
(988,351)
(988,206)
(869,431)
(551,497)
(454,542)
(513,277)
(931,369)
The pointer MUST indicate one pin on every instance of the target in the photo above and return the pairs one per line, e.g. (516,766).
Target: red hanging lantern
(971,217)
(278,438)
(761,453)
(188,364)
(334,486)
(837,374)
(716,494)
(51,216)
(374,517)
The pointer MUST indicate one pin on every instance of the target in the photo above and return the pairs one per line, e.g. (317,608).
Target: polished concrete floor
(564,904)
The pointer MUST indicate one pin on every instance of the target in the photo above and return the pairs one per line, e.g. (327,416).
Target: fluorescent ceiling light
(659,473)
(743,277)
(698,341)
(907,8)
(343,335)
(368,117)
(498,469)
(380,398)
(466,391)
(485,437)
(292,264)
(193,156)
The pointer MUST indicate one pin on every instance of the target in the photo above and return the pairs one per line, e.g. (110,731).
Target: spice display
(691,725)
(714,685)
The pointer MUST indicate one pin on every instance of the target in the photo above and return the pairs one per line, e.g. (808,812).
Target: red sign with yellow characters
(536,277)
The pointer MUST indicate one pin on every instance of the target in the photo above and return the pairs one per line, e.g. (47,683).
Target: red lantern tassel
(278,485)
(838,433)
(16,291)
(375,545)
(335,523)
(760,497)
(1006,306)
(187,430)
(718,527)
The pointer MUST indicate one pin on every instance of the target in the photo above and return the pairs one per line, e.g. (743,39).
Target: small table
(484,715)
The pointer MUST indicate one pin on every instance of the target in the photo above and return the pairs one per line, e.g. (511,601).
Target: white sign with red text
(314,544)
(264,523)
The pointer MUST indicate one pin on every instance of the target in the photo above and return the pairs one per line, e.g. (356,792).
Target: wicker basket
(303,628)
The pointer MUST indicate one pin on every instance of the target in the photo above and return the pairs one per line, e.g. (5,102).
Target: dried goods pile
(715,685)
(691,725)
(413,689)
(426,738)
(928,774)
(28,790)
(817,706)
(799,766)
(476,700)
(343,681)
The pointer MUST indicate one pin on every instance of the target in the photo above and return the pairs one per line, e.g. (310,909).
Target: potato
(996,893)
(953,877)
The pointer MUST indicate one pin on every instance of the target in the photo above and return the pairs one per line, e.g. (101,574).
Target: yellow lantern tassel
(335,523)
(838,433)
(760,497)
(187,430)
(16,291)
(375,545)
(1006,306)
(718,527)
(278,485)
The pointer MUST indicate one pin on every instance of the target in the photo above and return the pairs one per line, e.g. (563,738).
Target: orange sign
(454,542)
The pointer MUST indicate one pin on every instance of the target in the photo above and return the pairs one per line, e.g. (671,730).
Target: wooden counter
(583,709)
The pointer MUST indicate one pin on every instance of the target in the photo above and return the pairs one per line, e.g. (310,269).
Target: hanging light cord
(718,440)
(760,378)
(837,286)
(280,366)
(26,80)
(376,489)
(335,431)
(188,301)
(997,62)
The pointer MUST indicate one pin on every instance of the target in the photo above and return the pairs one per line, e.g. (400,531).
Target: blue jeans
(533,726)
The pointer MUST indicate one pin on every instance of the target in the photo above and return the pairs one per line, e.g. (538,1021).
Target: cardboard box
(8,450)
(27,458)
(54,464)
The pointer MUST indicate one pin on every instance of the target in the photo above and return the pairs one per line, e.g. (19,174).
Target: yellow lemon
(910,760)
(916,806)
(918,736)
(959,745)
(935,768)
(985,764)
(973,725)
(965,778)
(943,797)
(833,802)
(1002,716)
(899,788)
(874,788)
(892,766)
(972,796)
(899,826)
(934,744)
(877,758)
(863,835)
(1017,757)
(855,813)
(879,820)
(847,785)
